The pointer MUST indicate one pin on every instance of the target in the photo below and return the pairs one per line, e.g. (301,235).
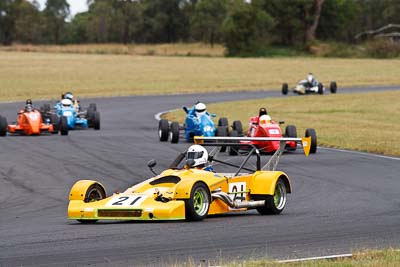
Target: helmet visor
(195,155)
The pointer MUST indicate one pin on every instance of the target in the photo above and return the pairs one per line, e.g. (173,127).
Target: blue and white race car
(198,122)
(71,118)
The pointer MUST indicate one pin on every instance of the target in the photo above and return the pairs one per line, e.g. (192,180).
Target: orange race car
(30,122)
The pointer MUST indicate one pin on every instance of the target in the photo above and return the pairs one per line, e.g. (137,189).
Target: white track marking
(360,153)
(318,258)
(159,114)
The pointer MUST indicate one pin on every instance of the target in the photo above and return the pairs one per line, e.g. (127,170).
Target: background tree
(246,27)
(206,22)
(55,14)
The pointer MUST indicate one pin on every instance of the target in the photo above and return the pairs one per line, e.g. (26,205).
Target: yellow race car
(190,189)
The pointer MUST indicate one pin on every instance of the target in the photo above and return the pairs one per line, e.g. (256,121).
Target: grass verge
(387,257)
(46,75)
(368,122)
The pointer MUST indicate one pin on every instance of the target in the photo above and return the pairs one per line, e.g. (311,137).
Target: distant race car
(71,118)
(30,122)
(304,87)
(184,192)
(195,125)
(263,126)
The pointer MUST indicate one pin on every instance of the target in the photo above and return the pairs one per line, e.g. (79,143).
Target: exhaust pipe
(236,204)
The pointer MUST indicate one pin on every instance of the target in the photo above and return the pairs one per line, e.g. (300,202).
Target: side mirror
(190,163)
(281,122)
(152,163)
(185,109)
(213,115)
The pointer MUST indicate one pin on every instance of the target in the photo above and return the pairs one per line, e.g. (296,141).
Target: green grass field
(367,122)
(45,75)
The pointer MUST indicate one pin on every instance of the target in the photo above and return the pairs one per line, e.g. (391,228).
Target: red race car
(263,126)
(30,122)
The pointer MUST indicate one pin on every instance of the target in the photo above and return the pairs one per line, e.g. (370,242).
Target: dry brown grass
(46,75)
(177,49)
(367,122)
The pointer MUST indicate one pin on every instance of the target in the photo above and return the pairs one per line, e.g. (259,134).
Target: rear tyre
(163,130)
(333,87)
(237,126)
(276,203)
(223,122)
(174,132)
(233,150)
(95,192)
(320,88)
(197,206)
(96,120)
(64,125)
(93,106)
(222,131)
(3,126)
(291,131)
(285,89)
(310,132)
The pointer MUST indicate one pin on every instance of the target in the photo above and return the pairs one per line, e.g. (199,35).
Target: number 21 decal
(131,201)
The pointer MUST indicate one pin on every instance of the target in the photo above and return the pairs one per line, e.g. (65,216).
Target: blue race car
(198,122)
(71,118)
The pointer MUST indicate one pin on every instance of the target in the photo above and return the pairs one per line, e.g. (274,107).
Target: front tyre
(3,126)
(320,89)
(223,132)
(197,206)
(276,203)
(163,130)
(96,120)
(95,192)
(333,87)
(285,89)
(310,132)
(174,132)
(64,125)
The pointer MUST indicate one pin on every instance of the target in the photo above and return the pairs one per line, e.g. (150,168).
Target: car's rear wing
(220,140)
(235,141)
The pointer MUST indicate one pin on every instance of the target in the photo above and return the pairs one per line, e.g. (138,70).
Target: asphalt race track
(341,202)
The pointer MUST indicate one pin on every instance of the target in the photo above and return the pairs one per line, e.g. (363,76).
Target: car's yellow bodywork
(163,197)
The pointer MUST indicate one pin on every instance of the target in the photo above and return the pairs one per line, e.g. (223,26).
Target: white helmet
(264,120)
(200,108)
(310,78)
(66,102)
(198,153)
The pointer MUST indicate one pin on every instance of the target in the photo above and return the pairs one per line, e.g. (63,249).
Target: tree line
(242,26)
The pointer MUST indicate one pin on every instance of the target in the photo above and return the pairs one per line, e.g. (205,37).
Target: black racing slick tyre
(237,126)
(222,131)
(310,132)
(333,87)
(233,150)
(291,131)
(95,192)
(285,89)
(198,204)
(96,120)
(93,106)
(163,130)
(55,122)
(3,126)
(320,89)
(274,204)
(64,125)
(223,122)
(174,132)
